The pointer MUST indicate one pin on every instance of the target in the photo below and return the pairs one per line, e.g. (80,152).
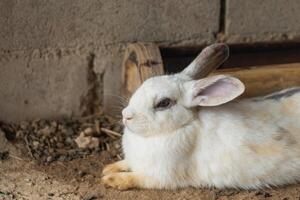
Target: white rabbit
(178,133)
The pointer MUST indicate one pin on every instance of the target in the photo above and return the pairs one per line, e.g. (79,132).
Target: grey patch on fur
(285,136)
(282,94)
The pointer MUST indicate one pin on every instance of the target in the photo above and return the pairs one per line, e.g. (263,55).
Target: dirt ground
(26,172)
(79,179)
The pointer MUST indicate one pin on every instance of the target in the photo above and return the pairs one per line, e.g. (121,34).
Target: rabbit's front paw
(120,181)
(119,166)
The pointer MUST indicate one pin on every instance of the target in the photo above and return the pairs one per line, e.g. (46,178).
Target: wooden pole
(262,80)
(141,61)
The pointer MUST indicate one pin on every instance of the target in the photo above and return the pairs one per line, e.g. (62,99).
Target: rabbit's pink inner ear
(219,91)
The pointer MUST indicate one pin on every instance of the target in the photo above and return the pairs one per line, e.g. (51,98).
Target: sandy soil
(27,173)
(79,179)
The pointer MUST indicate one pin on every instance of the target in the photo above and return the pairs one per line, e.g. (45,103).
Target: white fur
(250,143)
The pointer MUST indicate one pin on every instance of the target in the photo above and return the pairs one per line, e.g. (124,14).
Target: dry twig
(28,147)
(110,132)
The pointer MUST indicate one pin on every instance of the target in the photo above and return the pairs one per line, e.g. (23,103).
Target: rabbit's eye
(163,104)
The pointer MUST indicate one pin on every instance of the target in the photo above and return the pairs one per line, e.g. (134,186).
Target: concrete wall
(262,21)
(62,58)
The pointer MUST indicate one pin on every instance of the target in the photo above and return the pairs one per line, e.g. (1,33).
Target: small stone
(35,143)
(27,180)
(62,158)
(45,131)
(88,131)
(60,127)
(49,159)
(50,194)
(45,178)
(20,134)
(24,125)
(69,140)
(46,151)
(60,145)
(87,142)
(54,124)
(51,150)
(37,155)
(81,173)
(30,184)
(117,145)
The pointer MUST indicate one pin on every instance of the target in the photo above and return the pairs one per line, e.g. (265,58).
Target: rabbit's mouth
(126,125)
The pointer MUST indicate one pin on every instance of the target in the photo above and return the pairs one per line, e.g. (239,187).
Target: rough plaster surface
(39,81)
(262,21)
(40,24)
(42,84)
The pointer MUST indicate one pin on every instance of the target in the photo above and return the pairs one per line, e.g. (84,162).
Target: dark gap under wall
(241,56)
(222,17)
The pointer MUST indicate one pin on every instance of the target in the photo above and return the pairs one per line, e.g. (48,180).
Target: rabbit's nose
(127,114)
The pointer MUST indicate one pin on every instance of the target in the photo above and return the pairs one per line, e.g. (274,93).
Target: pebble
(49,159)
(46,151)
(35,143)
(20,134)
(24,125)
(62,158)
(51,150)
(82,173)
(54,124)
(88,131)
(46,131)
(117,145)
(50,194)
(30,183)
(69,140)
(27,180)
(60,145)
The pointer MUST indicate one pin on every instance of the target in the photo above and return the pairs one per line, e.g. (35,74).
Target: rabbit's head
(164,104)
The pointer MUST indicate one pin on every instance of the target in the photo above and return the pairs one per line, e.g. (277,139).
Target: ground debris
(86,142)
(90,197)
(4,155)
(263,193)
(64,140)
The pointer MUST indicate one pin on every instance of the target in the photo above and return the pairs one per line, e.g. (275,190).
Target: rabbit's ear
(213,91)
(208,60)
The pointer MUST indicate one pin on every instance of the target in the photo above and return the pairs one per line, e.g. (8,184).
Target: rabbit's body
(180,131)
(246,144)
